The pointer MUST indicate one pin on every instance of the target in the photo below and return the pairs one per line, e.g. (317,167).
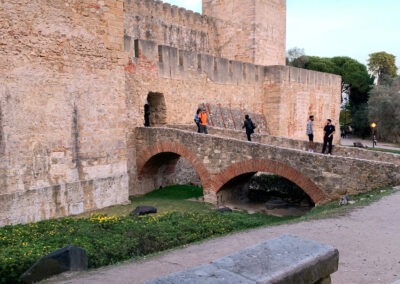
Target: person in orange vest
(203,121)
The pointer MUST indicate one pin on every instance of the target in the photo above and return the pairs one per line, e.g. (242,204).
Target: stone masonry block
(286,259)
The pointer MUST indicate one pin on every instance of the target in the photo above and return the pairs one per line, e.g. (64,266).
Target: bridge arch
(251,167)
(165,152)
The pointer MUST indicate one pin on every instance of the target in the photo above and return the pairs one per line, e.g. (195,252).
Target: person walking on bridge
(197,119)
(249,125)
(329,130)
(203,121)
(310,133)
(146,115)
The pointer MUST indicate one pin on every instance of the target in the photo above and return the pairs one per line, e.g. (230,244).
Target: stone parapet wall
(287,74)
(338,150)
(175,63)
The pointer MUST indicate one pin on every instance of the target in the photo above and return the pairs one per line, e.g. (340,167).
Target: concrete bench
(286,259)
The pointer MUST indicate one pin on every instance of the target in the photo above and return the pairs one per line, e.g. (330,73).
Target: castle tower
(251,30)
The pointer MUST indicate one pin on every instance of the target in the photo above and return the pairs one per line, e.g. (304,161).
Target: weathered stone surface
(300,144)
(207,274)
(70,258)
(219,159)
(144,210)
(286,259)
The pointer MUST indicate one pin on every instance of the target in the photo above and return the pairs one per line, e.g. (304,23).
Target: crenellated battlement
(174,63)
(173,13)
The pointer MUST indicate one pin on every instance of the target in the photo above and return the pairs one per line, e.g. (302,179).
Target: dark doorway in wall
(158,109)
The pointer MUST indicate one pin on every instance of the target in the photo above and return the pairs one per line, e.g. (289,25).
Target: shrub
(108,240)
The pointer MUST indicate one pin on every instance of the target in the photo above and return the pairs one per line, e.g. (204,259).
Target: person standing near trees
(249,125)
(310,133)
(329,130)
(203,121)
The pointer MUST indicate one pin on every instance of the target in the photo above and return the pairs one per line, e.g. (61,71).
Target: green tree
(382,64)
(345,115)
(356,84)
(356,81)
(296,57)
(384,106)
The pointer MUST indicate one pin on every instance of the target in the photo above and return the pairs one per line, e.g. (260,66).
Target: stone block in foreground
(70,258)
(286,259)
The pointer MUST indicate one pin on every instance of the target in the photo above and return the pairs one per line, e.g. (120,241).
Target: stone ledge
(286,259)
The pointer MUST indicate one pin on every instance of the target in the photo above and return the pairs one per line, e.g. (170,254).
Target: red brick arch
(269,166)
(176,148)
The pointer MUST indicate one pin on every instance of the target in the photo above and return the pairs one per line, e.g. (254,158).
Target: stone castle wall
(74,76)
(293,94)
(170,25)
(251,31)
(63,108)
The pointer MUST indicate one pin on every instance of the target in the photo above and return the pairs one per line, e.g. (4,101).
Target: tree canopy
(382,64)
(356,81)
(384,108)
(296,57)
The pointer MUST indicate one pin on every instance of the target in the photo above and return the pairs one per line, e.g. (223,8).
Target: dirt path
(350,142)
(368,240)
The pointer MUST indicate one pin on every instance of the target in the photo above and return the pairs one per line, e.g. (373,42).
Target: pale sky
(329,28)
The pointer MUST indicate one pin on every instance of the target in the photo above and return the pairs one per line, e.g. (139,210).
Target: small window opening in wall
(199,61)
(244,71)
(136,48)
(215,64)
(180,57)
(157,109)
(230,67)
(160,55)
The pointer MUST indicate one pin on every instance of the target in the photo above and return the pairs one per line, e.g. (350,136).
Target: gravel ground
(350,142)
(368,240)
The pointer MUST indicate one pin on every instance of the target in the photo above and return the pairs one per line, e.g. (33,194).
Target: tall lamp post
(373,126)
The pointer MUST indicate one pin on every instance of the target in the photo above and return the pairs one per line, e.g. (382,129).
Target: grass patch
(384,150)
(333,209)
(118,237)
(171,198)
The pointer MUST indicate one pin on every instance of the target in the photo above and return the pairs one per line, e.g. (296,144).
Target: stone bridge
(224,162)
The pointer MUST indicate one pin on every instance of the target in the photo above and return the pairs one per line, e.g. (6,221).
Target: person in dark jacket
(146,115)
(329,130)
(249,125)
(197,119)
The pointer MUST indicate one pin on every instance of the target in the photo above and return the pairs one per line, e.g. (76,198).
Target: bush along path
(111,239)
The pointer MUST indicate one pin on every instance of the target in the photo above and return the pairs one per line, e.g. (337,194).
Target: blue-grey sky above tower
(329,28)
